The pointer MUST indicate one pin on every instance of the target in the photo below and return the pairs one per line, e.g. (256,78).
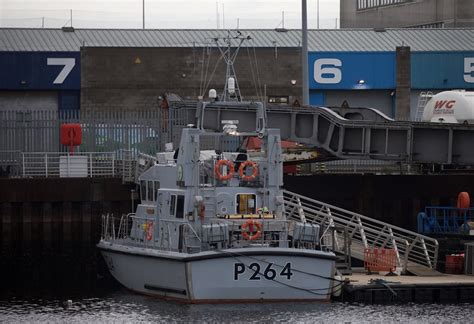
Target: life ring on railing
(202,211)
(148,227)
(219,174)
(251,230)
(254,174)
(464,201)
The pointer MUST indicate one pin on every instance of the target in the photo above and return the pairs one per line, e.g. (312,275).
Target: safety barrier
(380,260)
(446,220)
(84,164)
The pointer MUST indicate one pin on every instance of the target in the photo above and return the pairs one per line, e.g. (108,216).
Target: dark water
(121,305)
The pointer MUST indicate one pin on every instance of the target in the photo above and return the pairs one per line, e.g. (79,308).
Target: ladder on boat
(413,251)
(423,99)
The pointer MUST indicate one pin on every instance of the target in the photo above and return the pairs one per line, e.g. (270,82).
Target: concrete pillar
(402,107)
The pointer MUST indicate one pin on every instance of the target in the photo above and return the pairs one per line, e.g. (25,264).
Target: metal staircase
(423,99)
(413,251)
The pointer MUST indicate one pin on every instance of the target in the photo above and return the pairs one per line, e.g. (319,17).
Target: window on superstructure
(180,207)
(150,191)
(157,187)
(246,204)
(143,190)
(173,205)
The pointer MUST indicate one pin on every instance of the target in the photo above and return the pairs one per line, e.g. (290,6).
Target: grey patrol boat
(211,226)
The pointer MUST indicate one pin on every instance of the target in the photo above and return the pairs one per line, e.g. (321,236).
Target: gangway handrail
(411,248)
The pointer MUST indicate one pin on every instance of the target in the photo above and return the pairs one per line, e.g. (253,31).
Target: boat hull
(233,275)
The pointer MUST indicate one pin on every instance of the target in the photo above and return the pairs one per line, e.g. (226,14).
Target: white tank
(231,85)
(456,106)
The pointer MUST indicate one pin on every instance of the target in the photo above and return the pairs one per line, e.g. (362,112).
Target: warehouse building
(407,13)
(90,69)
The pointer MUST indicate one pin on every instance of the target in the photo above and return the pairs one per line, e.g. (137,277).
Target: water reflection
(124,306)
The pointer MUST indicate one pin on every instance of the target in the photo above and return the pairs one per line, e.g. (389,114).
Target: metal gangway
(415,253)
(348,133)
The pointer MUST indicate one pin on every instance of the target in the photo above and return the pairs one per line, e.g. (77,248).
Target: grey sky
(166,13)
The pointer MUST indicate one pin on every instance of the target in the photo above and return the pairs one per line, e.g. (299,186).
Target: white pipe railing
(57,164)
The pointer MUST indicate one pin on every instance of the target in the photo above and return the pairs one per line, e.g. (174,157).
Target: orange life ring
(217,170)
(254,171)
(463,200)
(251,230)
(149,231)
(202,210)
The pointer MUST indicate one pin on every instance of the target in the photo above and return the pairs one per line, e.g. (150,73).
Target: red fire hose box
(71,135)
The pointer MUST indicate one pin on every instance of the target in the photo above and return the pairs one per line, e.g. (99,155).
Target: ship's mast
(231,90)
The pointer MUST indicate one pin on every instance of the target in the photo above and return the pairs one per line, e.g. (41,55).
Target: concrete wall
(49,229)
(395,199)
(454,13)
(135,77)
(28,100)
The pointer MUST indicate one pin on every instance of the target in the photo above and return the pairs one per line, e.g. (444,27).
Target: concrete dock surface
(379,288)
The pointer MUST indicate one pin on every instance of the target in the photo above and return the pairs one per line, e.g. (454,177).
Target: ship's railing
(265,238)
(146,232)
(60,164)
(274,232)
(412,249)
(108,227)
(144,162)
(188,240)
(139,231)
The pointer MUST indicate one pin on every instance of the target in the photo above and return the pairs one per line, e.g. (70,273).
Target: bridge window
(246,204)
(180,207)
(173,205)
(157,187)
(143,190)
(150,190)
(177,206)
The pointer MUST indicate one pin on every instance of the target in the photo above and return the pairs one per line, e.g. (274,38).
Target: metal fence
(143,131)
(358,166)
(28,139)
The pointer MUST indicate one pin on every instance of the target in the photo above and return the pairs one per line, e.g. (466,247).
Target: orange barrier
(454,264)
(380,260)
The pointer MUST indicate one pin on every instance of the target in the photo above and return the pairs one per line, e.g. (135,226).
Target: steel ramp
(370,136)
(413,250)
(421,271)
